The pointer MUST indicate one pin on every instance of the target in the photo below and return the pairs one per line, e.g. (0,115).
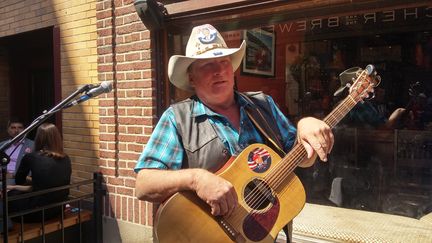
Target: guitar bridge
(229,230)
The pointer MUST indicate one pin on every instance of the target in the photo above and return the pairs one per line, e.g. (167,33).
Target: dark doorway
(31,63)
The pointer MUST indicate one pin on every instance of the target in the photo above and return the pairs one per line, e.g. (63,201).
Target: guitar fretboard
(298,153)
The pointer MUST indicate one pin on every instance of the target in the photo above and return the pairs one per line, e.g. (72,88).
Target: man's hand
(316,137)
(216,192)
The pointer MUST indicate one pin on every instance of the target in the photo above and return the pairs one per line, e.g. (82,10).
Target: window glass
(382,157)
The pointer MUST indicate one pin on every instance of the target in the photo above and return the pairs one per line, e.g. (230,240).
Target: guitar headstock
(363,86)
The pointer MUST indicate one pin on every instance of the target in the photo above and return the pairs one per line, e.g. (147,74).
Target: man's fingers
(232,202)
(309,149)
(223,207)
(215,209)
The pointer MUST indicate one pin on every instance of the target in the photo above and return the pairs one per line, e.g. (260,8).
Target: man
(370,113)
(197,136)
(19,149)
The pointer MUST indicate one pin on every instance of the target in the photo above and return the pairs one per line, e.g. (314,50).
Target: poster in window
(260,52)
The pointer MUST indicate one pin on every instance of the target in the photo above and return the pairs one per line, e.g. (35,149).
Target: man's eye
(207,65)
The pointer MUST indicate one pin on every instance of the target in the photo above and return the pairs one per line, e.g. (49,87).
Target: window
(383,149)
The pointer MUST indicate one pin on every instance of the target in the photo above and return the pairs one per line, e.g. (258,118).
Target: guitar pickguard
(257,225)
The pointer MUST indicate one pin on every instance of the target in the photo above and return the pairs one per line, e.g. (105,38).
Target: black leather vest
(203,147)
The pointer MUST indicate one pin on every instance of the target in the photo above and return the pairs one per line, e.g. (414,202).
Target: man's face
(212,79)
(15,128)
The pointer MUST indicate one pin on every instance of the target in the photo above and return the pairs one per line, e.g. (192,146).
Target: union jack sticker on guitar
(259,160)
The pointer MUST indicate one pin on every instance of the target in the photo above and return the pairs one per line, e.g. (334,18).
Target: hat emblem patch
(217,53)
(207,35)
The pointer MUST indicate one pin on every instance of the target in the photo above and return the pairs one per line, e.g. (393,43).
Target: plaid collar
(199,109)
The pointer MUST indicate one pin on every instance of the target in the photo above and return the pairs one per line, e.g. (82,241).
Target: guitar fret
(298,154)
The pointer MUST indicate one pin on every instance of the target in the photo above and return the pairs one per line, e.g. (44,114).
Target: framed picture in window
(260,52)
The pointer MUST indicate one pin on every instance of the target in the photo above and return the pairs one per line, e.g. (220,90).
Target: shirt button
(225,151)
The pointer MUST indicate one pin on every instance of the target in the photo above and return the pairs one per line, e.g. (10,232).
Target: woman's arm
(20,188)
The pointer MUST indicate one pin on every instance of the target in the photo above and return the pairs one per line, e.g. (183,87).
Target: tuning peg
(370,96)
(370,69)
(378,80)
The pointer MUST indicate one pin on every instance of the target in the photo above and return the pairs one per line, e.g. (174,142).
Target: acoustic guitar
(270,194)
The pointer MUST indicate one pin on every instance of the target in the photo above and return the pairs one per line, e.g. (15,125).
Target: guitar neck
(298,153)
(340,111)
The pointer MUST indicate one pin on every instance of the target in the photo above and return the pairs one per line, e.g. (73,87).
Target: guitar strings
(275,177)
(345,106)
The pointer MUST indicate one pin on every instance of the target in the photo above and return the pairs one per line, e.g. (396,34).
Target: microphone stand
(4,158)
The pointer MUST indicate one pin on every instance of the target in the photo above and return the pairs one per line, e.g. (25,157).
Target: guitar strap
(260,122)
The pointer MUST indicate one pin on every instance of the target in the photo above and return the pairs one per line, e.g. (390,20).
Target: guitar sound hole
(258,194)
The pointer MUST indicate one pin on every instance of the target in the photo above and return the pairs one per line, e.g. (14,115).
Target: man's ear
(191,81)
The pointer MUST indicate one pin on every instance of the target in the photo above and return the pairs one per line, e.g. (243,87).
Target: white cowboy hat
(204,42)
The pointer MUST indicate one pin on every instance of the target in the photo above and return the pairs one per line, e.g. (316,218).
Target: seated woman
(47,167)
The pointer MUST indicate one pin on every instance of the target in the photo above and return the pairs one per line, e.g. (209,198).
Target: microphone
(104,87)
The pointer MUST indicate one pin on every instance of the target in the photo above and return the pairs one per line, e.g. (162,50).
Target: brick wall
(100,41)
(76,21)
(127,115)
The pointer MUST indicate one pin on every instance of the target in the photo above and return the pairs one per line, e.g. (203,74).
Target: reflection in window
(382,157)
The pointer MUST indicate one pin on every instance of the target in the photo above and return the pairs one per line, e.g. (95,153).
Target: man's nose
(217,69)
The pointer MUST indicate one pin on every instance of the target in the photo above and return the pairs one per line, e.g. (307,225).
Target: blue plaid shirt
(164,149)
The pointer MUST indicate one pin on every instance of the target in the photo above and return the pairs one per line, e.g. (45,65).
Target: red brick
(124,10)
(119,21)
(143,212)
(118,207)
(134,111)
(135,147)
(130,183)
(126,172)
(150,214)
(131,165)
(104,32)
(133,56)
(133,37)
(124,208)
(135,130)
(107,137)
(142,139)
(125,191)
(137,211)
(115,181)
(107,171)
(128,156)
(105,68)
(130,210)
(133,75)
(103,14)
(148,112)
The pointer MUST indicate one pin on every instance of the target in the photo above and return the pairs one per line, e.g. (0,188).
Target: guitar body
(262,211)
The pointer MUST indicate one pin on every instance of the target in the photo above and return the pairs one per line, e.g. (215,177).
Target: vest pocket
(210,155)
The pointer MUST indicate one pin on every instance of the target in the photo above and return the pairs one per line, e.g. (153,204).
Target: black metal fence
(97,195)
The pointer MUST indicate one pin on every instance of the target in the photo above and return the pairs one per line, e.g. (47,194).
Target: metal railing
(97,195)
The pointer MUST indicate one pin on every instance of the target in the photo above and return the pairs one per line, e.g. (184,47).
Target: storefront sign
(368,20)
